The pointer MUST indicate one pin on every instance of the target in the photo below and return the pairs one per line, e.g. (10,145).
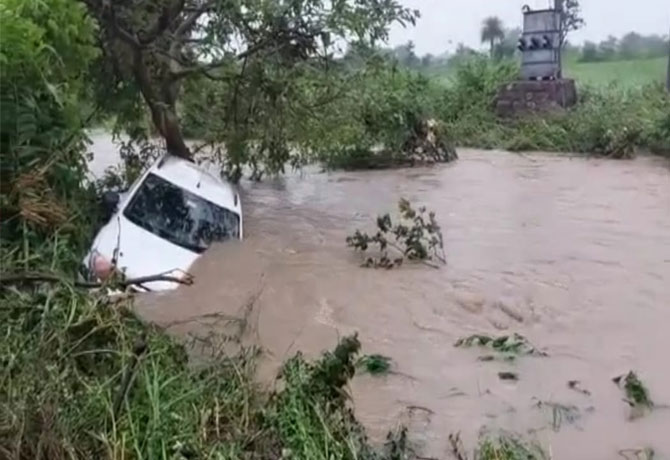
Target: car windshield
(179,216)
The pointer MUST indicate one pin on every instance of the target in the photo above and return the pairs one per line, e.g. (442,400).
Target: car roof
(197,180)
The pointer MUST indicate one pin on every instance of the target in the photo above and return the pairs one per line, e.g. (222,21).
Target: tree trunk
(161,100)
(667,73)
(166,121)
(492,48)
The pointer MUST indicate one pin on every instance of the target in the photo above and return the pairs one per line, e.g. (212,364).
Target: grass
(508,447)
(627,74)
(630,73)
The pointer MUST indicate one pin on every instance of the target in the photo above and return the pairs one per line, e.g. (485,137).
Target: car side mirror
(110,201)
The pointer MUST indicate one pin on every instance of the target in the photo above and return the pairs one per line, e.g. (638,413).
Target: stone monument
(542,87)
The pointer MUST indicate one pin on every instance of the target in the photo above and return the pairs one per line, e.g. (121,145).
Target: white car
(163,223)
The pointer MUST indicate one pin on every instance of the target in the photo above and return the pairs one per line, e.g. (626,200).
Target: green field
(625,73)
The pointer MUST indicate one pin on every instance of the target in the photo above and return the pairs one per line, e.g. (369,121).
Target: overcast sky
(445,23)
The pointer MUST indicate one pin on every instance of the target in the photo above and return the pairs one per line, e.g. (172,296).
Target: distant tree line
(502,44)
(630,46)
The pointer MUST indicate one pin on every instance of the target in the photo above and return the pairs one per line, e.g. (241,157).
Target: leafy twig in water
(417,237)
(637,395)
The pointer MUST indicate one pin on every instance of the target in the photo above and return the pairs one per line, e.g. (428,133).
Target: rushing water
(572,253)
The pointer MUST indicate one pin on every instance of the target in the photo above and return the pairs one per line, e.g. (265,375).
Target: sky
(445,23)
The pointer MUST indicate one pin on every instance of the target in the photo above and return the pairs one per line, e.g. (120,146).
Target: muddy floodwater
(572,253)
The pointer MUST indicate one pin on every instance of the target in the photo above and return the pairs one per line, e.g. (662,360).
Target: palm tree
(492,31)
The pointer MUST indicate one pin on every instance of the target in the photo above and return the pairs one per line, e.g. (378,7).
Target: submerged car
(163,223)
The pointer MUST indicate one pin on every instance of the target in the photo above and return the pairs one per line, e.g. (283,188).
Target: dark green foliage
(417,237)
(312,416)
(45,52)
(375,364)
(514,344)
(637,395)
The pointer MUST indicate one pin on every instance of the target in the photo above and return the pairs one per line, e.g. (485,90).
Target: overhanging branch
(192,18)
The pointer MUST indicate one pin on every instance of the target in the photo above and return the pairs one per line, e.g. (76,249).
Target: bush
(45,51)
(613,121)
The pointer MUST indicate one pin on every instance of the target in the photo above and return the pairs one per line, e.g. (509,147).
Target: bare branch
(30,278)
(192,18)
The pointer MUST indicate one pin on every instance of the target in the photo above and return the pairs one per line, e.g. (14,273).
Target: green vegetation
(630,46)
(629,73)
(82,377)
(613,122)
(621,74)
(508,447)
(375,364)
(637,395)
(501,446)
(417,237)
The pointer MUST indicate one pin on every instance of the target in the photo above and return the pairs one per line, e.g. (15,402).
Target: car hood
(141,253)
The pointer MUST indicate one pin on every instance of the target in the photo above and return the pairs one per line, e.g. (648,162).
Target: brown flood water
(572,253)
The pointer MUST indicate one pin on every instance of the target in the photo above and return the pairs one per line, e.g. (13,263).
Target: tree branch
(201,68)
(192,18)
(123,34)
(165,20)
(31,278)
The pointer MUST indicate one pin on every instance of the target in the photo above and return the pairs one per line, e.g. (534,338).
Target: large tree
(152,46)
(492,32)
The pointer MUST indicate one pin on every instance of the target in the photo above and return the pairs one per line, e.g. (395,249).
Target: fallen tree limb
(29,277)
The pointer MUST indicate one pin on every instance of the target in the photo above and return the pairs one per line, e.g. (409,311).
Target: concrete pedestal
(522,97)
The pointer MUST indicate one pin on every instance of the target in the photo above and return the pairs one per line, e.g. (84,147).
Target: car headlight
(99,266)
